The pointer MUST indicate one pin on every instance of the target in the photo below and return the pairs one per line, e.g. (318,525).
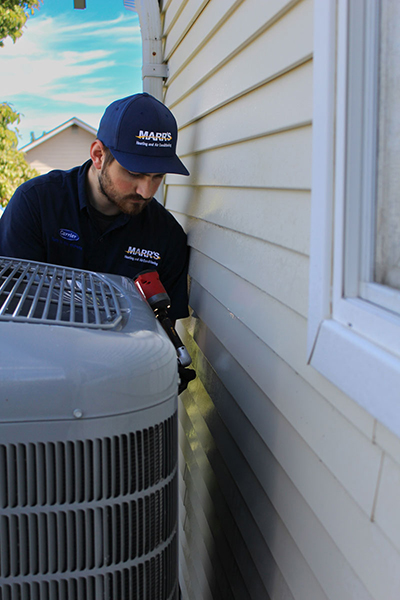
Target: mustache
(136,197)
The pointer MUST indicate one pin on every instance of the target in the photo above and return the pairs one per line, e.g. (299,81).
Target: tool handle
(149,285)
(183,355)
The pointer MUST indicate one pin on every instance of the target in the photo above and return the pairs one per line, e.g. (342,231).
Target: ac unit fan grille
(41,293)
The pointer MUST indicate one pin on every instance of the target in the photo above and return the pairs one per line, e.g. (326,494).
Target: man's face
(129,192)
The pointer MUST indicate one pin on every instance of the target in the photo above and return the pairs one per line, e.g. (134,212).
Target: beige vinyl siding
(65,150)
(289,490)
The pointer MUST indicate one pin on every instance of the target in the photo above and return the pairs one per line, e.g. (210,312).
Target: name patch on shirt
(142,255)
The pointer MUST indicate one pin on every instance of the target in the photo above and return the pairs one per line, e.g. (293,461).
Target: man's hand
(185,376)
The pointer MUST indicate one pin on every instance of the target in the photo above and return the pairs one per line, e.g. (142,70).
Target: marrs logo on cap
(155,138)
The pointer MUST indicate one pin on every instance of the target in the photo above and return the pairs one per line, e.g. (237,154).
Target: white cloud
(122,25)
(43,32)
(89,98)
(41,77)
(59,69)
(37,63)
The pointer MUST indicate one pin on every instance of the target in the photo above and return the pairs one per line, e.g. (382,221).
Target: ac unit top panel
(32,292)
(74,342)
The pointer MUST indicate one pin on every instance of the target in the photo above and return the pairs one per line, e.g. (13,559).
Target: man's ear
(97,154)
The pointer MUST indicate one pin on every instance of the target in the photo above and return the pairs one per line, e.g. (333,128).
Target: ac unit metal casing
(88,439)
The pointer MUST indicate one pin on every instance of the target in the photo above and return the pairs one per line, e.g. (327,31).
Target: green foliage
(14,169)
(13,15)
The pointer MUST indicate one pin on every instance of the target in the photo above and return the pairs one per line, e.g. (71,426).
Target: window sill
(367,373)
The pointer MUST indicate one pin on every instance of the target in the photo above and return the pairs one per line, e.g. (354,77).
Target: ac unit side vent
(154,579)
(45,543)
(90,519)
(41,293)
(40,474)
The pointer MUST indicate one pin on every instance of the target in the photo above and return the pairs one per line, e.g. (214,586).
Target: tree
(13,16)
(14,169)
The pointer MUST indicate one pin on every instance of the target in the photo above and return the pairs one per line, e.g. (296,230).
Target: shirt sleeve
(20,228)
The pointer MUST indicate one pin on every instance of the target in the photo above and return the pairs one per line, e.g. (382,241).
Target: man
(102,216)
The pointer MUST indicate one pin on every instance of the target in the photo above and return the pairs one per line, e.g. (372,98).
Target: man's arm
(20,228)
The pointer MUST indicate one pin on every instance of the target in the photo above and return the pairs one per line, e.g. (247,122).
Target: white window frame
(351,341)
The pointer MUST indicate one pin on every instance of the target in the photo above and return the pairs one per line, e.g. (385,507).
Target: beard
(130,204)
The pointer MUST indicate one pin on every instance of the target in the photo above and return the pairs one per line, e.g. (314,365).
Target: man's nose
(145,188)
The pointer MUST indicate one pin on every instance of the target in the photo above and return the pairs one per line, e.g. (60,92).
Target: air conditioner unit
(88,439)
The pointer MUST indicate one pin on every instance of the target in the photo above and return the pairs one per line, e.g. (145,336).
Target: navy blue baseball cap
(141,133)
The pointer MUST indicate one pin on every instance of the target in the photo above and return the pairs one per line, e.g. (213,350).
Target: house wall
(288,490)
(65,150)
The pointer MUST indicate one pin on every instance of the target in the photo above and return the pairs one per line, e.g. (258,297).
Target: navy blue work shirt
(48,220)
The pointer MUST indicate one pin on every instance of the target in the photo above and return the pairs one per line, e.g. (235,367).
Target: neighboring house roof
(46,136)
(61,148)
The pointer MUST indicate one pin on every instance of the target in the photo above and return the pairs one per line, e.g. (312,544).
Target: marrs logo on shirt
(142,255)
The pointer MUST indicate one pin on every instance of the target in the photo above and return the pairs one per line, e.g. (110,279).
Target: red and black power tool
(149,285)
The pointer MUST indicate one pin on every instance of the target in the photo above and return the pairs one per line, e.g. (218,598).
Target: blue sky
(70,63)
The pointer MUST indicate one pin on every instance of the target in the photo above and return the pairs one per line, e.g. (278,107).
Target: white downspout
(154,71)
